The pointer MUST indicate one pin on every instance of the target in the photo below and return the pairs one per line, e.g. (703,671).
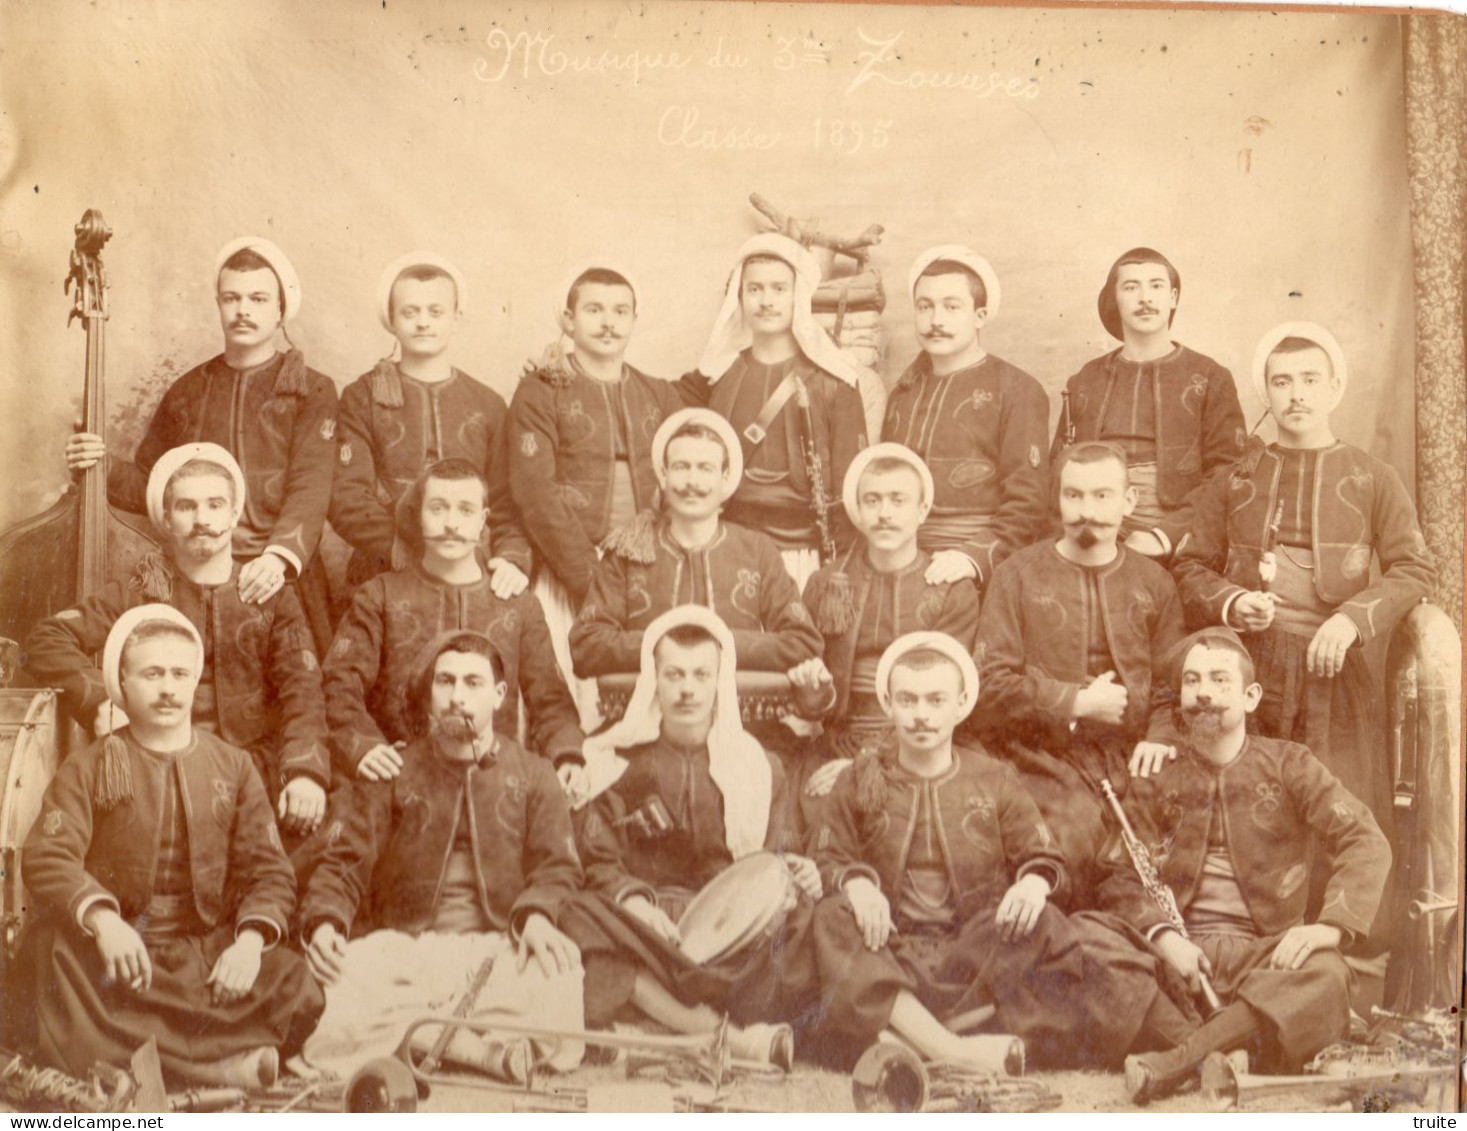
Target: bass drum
(28,759)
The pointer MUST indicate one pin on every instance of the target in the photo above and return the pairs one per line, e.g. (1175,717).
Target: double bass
(61,556)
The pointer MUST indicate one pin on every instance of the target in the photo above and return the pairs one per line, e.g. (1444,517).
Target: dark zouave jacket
(981,432)
(1276,801)
(1033,640)
(278,421)
(382,854)
(1360,506)
(390,428)
(1199,422)
(626,856)
(738,574)
(989,828)
(561,448)
(78,855)
(260,658)
(839,594)
(368,672)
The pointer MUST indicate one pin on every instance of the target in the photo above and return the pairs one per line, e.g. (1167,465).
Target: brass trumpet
(1422,907)
(891,1077)
(1224,1088)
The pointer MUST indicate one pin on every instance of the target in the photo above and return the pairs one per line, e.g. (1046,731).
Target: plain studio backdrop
(1263,153)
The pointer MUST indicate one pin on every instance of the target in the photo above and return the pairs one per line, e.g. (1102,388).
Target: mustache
(457,726)
(1202,709)
(166,701)
(933,334)
(242,324)
(450,536)
(204,532)
(691,492)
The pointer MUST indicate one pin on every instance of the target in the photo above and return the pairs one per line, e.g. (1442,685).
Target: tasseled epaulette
(152,578)
(636,541)
(1253,451)
(870,770)
(835,609)
(291,380)
(386,385)
(114,775)
(555,377)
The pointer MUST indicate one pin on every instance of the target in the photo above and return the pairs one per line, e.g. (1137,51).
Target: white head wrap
(417,259)
(709,419)
(888,449)
(938,642)
(1313,332)
(290,282)
(730,336)
(123,627)
(969,259)
(171,460)
(736,761)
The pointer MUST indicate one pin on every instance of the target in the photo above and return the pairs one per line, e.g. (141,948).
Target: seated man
(161,888)
(1067,639)
(1316,510)
(939,870)
(261,685)
(1239,813)
(871,594)
(458,865)
(441,523)
(690,555)
(681,792)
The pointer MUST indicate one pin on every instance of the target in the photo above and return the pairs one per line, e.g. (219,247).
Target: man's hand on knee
(1184,956)
(325,954)
(872,911)
(1298,943)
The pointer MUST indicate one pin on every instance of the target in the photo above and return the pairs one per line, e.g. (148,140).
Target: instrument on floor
(892,1077)
(28,757)
(1225,1088)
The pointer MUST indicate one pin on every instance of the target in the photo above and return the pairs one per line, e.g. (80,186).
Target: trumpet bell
(889,1077)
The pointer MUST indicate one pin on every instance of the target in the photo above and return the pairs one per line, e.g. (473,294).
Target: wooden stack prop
(848,304)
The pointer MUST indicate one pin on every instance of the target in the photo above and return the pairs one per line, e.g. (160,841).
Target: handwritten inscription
(537,55)
(881,64)
(681,127)
(684,127)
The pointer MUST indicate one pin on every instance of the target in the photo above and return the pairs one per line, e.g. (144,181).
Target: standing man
(579,449)
(410,413)
(459,863)
(1244,819)
(978,423)
(163,893)
(873,593)
(1070,635)
(1173,412)
(442,520)
(275,416)
(773,372)
(260,684)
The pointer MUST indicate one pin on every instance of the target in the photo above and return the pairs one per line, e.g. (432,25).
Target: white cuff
(87,904)
(1166,543)
(286,556)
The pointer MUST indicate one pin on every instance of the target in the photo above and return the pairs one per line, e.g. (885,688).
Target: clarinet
(1151,880)
(1068,418)
(815,469)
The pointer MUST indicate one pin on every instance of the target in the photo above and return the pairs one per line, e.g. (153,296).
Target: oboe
(1068,418)
(1151,880)
(815,469)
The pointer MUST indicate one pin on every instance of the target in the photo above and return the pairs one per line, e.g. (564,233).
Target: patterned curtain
(1436,130)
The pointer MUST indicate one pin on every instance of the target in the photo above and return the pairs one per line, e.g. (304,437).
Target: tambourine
(742,905)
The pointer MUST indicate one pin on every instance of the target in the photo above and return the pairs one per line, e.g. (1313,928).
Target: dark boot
(1153,1075)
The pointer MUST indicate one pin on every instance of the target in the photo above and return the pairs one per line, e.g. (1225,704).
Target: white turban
(123,627)
(937,642)
(407,262)
(290,282)
(969,259)
(1312,331)
(709,419)
(736,761)
(171,460)
(888,449)
(730,336)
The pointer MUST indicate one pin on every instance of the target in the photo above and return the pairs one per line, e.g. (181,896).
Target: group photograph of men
(812,725)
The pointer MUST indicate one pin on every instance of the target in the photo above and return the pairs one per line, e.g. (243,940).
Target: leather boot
(1153,1075)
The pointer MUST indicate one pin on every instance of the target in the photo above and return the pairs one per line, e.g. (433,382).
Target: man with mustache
(873,593)
(978,422)
(776,376)
(579,448)
(413,411)
(690,554)
(1319,509)
(1173,411)
(1068,639)
(939,873)
(260,685)
(275,416)
(1245,819)
(460,863)
(162,895)
(441,522)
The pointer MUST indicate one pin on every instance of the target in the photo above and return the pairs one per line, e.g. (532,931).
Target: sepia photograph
(592,556)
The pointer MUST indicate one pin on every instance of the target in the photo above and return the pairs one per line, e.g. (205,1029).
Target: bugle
(1224,1088)
(891,1077)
